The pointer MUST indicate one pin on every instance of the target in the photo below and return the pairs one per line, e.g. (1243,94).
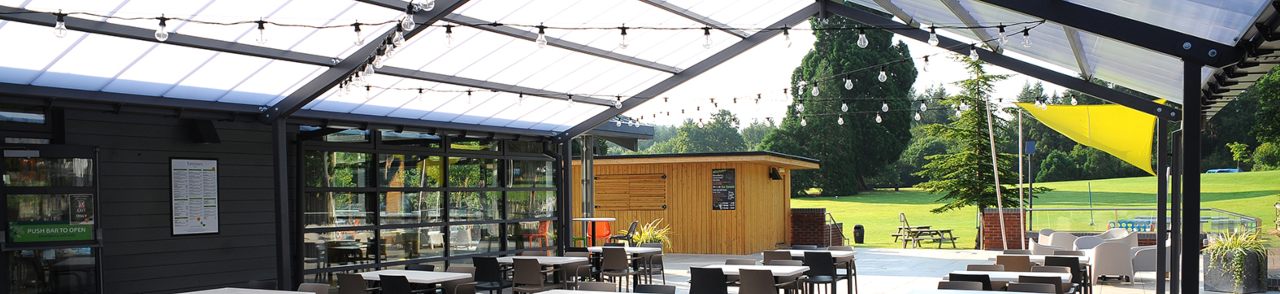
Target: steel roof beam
(148,35)
(1073,37)
(898,12)
(486,85)
(1123,29)
(335,74)
(413,122)
(968,20)
(686,13)
(1047,75)
(693,71)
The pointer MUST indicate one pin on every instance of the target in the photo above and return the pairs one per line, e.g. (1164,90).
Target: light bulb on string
(425,5)
(161,34)
(848,84)
(1003,39)
(964,107)
(1074,102)
(60,25)
(923,107)
(844,107)
(520,99)
(917,117)
(469,97)
(973,51)
(618,103)
(884,107)
(622,42)
(799,106)
(706,38)
(814,91)
(883,76)
(878,119)
(957,112)
(377,60)
(418,97)
(786,35)
(933,36)
(397,38)
(407,22)
(369,71)
(1026,38)
(840,120)
(359,37)
(862,39)
(448,36)
(568,103)
(542,36)
(368,93)
(803,122)
(262,32)
(925,65)
(617,123)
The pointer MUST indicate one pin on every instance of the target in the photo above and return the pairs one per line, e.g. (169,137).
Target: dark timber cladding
(138,253)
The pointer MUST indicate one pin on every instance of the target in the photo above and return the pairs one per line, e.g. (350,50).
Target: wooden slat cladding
(634,192)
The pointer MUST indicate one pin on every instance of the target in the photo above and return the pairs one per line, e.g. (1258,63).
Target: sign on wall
(194,188)
(724,189)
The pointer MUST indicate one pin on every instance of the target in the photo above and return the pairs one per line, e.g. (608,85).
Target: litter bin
(858,234)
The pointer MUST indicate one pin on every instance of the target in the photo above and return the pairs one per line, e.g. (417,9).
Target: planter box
(1218,278)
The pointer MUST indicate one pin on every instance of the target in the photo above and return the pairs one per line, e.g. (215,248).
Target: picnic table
(938,236)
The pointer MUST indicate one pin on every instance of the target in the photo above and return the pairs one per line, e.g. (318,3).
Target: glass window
(468,144)
(409,207)
(524,147)
(473,206)
(336,169)
(348,136)
(63,270)
(408,138)
(45,172)
(530,204)
(27,115)
(335,209)
(532,173)
(35,218)
(413,171)
(467,239)
(412,243)
(523,235)
(473,172)
(338,248)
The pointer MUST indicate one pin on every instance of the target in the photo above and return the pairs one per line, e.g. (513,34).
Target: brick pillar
(809,227)
(991,229)
(837,235)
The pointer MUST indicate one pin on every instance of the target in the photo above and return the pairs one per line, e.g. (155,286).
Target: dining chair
(1079,279)
(530,277)
(353,284)
(785,262)
(1054,281)
(1031,288)
(316,288)
(394,284)
(756,282)
(985,280)
(1017,251)
(655,289)
(822,270)
(1015,263)
(455,286)
(420,267)
(260,284)
(985,267)
(489,275)
(960,285)
(597,286)
(616,264)
(707,281)
(739,261)
(1069,252)
(804,247)
(777,255)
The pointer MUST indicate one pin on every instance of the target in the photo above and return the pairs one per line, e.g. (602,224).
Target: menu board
(194,185)
(724,190)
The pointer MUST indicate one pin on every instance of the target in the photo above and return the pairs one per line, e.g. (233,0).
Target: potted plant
(653,232)
(1236,263)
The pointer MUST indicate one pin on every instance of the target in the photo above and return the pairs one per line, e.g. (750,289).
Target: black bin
(858,234)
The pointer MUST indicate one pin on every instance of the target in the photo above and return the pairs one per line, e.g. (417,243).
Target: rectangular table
(417,277)
(1012,277)
(799,253)
(241,291)
(1039,259)
(630,250)
(544,260)
(941,291)
(777,270)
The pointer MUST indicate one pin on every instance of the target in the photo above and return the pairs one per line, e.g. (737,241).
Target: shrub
(1266,157)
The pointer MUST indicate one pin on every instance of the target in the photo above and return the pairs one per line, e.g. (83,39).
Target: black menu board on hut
(724,190)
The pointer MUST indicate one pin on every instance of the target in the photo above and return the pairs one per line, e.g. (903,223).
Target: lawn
(1251,193)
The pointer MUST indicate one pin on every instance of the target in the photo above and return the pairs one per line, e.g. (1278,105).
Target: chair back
(985,280)
(316,288)
(1144,260)
(739,261)
(1072,263)
(1017,251)
(1114,233)
(394,284)
(960,285)
(615,259)
(1046,232)
(1087,242)
(804,247)
(1041,249)
(707,281)
(1051,269)
(352,284)
(656,289)
(820,264)
(631,230)
(789,262)
(465,288)
(602,230)
(456,286)
(528,272)
(1112,259)
(598,286)
(776,255)
(420,267)
(261,285)
(1031,288)
(1062,240)
(487,269)
(756,282)
(1068,253)
(1015,263)
(985,267)
(1054,281)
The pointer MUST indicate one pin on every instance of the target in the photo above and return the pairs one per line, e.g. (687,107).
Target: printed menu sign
(194,184)
(724,190)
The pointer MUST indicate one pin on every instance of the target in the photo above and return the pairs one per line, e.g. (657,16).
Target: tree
(755,132)
(860,147)
(719,134)
(1267,92)
(1266,157)
(965,177)
(1239,152)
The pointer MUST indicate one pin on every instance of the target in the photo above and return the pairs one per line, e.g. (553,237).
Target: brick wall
(991,229)
(809,227)
(837,235)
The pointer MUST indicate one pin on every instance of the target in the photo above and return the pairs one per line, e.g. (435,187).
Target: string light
(618,103)
(419,96)
(882,77)
(840,120)
(262,32)
(407,22)
(884,107)
(925,65)
(848,84)
(368,93)
(799,106)
(448,36)
(933,35)
(924,107)
(803,122)
(1003,39)
(1026,37)
(622,43)
(542,36)
(520,99)
(786,35)
(844,107)
(397,38)
(369,71)
(917,117)
(878,119)
(1073,101)
(60,25)
(706,38)
(862,39)
(359,37)
(973,51)
(161,34)
(814,90)
(426,5)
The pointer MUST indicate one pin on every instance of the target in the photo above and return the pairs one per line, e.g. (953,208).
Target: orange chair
(543,228)
(602,231)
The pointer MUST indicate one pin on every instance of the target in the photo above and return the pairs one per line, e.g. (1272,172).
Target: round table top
(595,219)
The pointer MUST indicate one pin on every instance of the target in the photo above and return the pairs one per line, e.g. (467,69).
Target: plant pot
(1218,277)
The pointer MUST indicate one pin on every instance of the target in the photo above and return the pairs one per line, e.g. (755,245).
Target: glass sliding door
(50,235)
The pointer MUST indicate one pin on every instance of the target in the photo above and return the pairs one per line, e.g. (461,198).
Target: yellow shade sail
(1117,130)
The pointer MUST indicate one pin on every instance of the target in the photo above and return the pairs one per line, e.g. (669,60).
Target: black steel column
(564,193)
(1162,200)
(1175,252)
(1191,124)
(285,270)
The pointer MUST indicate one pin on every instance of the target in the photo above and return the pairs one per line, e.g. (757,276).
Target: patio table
(417,277)
(1012,277)
(799,253)
(944,291)
(777,270)
(630,250)
(544,260)
(937,235)
(1039,259)
(241,291)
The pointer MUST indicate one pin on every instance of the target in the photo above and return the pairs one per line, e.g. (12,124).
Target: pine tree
(964,176)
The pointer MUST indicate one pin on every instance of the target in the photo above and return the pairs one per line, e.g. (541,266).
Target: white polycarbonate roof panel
(271,82)
(216,77)
(159,70)
(1217,20)
(40,50)
(92,63)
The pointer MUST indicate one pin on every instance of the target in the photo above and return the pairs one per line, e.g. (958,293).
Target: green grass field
(1252,193)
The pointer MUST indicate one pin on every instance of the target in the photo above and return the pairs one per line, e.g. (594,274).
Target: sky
(766,70)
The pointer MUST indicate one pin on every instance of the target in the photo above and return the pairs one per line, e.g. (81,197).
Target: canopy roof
(519,87)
